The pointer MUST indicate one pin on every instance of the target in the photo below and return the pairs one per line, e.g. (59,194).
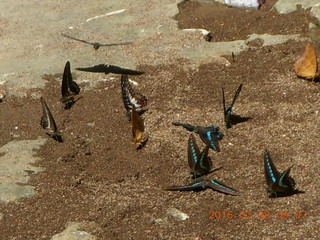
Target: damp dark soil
(228,23)
(96,176)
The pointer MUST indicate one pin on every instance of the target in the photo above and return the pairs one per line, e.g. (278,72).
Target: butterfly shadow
(70,103)
(211,171)
(316,79)
(285,194)
(236,119)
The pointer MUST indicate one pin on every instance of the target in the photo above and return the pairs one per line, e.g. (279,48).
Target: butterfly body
(199,163)
(279,184)
(47,122)
(307,65)
(96,45)
(209,135)
(107,68)
(139,136)
(227,110)
(131,98)
(69,88)
(204,184)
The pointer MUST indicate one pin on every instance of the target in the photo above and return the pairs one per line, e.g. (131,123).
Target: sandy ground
(97,178)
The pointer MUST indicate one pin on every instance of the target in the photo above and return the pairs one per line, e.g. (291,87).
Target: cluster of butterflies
(134,103)
(279,184)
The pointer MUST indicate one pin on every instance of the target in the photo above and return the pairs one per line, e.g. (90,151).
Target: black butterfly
(279,185)
(209,135)
(47,122)
(131,98)
(228,110)
(96,45)
(69,88)
(204,184)
(106,68)
(199,163)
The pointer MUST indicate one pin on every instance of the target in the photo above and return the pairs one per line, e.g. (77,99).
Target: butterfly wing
(125,89)
(236,95)
(47,122)
(67,77)
(120,70)
(68,86)
(272,175)
(220,187)
(307,65)
(97,68)
(210,138)
(204,164)
(193,152)
(130,97)
(196,186)
(224,103)
(285,184)
(106,68)
(187,126)
(138,136)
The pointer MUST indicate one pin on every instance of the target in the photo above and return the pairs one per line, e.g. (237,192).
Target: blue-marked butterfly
(199,163)
(130,98)
(204,184)
(139,136)
(279,185)
(69,88)
(47,122)
(227,110)
(209,135)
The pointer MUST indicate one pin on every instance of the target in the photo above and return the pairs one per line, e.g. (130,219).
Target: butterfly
(209,135)
(131,98)
(47,122)
(139,136)
(307,65)
(204,184)
(96,45)
(69,88)
(279,185)
(228,110)
(107,68)
(199,163)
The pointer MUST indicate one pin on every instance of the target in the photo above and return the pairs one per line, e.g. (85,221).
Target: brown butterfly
(139,137)
(47,122)
(307,65)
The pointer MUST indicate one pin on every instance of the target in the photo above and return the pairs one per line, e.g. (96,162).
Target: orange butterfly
(307,65)
(139,136)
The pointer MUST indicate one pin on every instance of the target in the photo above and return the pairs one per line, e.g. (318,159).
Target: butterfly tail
(220,187)
(196,186)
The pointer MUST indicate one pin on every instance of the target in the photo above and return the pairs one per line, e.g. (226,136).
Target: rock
(73,232)
(286,6)
(315,12)
(177,214)
(269,39)
(15,168)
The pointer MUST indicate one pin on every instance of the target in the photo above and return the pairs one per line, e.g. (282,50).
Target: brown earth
(98,177)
